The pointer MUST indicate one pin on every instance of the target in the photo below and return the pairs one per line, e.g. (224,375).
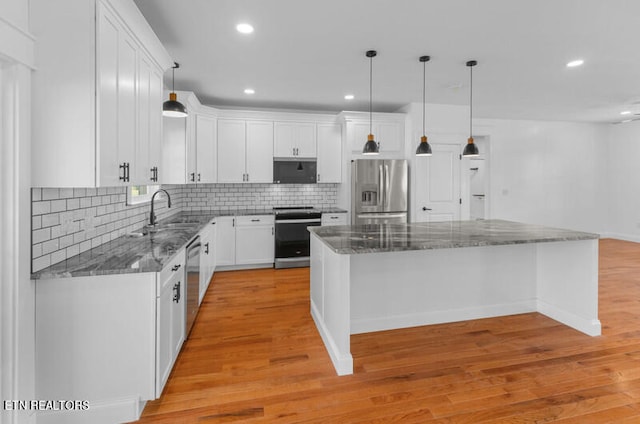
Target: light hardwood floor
(255,356)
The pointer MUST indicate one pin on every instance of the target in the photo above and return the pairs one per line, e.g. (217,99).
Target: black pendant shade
(470,149)
(424,149)
(172,107)
(370,147)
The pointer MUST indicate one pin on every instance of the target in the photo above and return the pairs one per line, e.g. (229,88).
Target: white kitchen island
(378,277)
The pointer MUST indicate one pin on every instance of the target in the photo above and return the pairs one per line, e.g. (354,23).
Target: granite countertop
(347,239)
(133,253)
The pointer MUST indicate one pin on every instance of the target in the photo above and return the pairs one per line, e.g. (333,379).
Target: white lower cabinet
(245,241)
(255,239)
(110,339)
(207,256)
(225,241)
(170,318)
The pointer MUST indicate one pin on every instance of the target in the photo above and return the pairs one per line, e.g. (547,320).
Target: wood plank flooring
(255,356)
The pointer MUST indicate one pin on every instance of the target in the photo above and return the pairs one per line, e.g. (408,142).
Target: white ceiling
(308,54)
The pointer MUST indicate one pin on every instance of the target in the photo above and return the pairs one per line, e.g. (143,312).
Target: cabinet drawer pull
(255,220)
(175,267)
(334,217)
(176,295)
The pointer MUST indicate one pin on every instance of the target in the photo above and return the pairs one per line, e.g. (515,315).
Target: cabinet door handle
(233,222)
(198,177)
(272,231)
(128,169)
(175,267)
(206,248)
(176,294)
(123,167)
(247,177)
(193,176)
(424,208)
(318,177)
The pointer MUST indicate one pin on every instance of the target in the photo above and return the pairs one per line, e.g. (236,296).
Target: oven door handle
(297,221)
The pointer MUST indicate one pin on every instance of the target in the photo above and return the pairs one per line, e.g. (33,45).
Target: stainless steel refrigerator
(379,190)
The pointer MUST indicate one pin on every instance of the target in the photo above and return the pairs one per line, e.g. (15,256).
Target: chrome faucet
(152,216)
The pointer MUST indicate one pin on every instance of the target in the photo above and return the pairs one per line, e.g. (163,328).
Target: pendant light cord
(424,90)
(470,99)
(370,95)
(173,79)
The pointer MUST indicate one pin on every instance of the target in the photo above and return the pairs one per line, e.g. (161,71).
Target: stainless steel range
(292,238)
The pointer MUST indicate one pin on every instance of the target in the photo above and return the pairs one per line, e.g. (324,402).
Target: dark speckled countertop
(143,253)
(347,239)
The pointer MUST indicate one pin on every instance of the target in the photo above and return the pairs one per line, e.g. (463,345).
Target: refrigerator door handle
(381,192)
(387,198)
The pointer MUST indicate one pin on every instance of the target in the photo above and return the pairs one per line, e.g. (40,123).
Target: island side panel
(421,287)
(330,303)
(96,342)
(567,274)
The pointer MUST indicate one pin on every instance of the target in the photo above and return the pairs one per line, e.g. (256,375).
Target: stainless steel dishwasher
(193,283)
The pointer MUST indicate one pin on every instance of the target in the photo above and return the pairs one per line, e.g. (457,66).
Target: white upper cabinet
(329,153)
(245,151)
(97,94)
(294,139)
(387,128)
(259,152)
(206,151)
(231,151)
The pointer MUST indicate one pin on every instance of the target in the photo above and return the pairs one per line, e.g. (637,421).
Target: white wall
(623,181)
(549,173)
(17,294)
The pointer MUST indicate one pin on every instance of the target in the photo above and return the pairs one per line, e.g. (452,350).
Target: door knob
(424,208)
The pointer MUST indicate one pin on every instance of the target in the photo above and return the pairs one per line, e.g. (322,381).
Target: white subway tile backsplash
(66,222)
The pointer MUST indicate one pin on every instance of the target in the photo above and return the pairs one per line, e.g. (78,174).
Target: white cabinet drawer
(175,265)
(253,220)
(334,219)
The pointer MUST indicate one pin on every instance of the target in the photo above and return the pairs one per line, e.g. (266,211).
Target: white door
(254,244)
(127,103)
(225,250)
(108,171)
(329,153)
(231,151)
(284,138)
(437,180)
(206,149)
(259,152)
(155,124)
(144,174)
(305,140)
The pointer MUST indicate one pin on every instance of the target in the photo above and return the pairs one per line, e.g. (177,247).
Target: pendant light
(172,107)
(424,149)
(470,149)
(370,147)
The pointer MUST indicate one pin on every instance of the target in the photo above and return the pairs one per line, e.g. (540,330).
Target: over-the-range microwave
(294,171)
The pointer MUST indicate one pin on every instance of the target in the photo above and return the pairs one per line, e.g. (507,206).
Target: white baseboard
(241,267)
(102,412)
(439,317)
(590,327)
(341,362)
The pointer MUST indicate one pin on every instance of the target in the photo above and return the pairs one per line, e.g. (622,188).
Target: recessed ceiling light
(575,63)
(249,91)
(244,28)
(349,97)
(626,112)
